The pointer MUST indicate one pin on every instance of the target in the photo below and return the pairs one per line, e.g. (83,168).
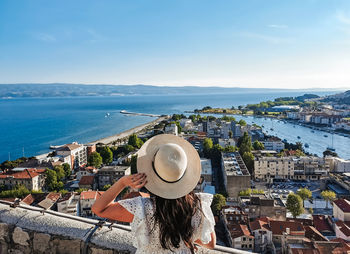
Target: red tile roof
(321,223)
(343,228)
(238,230)
(87,180)
(90,194)
(278,227)
(25,174)
(53,196)
(259,224)
(29,199)
(343,205)
(313,234)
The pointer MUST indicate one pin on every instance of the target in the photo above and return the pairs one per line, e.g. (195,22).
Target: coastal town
(270,196)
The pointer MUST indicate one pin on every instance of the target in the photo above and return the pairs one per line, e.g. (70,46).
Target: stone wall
(26,229)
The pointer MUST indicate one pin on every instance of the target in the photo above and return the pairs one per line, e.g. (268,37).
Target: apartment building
(31,178)
(273,143)
(76,152)
(110,174)
(235,172)
(269,168)
(296,168)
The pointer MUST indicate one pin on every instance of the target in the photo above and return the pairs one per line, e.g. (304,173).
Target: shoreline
(110,139)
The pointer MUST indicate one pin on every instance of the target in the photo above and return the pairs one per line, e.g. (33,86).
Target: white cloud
(45,37)
(94,36)
(343,18)
(278,26)
(267,38)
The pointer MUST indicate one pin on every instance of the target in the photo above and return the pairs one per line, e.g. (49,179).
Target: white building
(340,165)
(68,203)
(171,129)
(87,199)
(76,152)
(31,178)
(226,142)
(206,170)
(268,168)
(273,144)
(293,115)
(186,123)
(341,209)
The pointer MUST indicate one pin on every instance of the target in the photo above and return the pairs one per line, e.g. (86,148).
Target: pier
(138,114)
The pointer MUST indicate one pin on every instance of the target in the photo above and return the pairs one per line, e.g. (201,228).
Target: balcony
(27,229)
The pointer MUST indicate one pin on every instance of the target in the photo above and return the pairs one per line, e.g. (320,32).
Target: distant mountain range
(63,90)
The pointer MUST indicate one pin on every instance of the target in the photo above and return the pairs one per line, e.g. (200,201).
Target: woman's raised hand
(136,181)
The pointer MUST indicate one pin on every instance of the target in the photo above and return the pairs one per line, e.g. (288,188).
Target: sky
(231,43)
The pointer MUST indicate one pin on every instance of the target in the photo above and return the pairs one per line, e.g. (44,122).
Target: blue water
(33,124)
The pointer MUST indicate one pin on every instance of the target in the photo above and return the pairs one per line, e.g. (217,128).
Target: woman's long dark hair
(174,217)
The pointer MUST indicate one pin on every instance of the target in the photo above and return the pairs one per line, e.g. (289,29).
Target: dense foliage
(95,159)
(295,204)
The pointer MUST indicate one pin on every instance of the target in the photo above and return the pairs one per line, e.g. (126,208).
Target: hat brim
(158,186)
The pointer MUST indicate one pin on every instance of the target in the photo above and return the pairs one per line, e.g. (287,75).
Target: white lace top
(147,240)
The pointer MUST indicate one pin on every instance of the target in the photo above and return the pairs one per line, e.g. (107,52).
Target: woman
(174,219)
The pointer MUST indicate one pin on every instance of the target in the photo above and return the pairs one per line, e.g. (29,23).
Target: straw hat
(172,166)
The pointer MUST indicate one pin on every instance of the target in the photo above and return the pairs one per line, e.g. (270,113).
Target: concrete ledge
(26,229)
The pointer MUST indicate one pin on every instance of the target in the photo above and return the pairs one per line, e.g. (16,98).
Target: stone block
(3,247)
(66,246)
(100,251)
(41,242)
(20,237)
(4,231)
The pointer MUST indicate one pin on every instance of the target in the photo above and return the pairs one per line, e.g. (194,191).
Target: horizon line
(178,86)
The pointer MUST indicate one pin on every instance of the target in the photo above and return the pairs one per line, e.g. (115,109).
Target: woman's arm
(105,206)
(209,245)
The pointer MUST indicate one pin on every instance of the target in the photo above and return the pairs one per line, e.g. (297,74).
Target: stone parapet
(27,229)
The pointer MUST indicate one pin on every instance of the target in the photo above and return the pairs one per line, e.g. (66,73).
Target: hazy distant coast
(8,91)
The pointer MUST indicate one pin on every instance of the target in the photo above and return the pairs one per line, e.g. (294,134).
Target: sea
(28,126)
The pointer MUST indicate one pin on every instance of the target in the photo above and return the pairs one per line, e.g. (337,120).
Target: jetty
(138,114)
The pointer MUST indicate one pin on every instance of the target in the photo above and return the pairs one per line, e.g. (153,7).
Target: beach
(124,134)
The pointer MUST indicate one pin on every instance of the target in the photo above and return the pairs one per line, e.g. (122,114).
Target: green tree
(245,144)
(67,169)
(129,148)
(133,164)
(230,134)
(207,146)
(328,195)
(244,193)
(106,187)
(248,159)
(305,194)
(218,202)
(230,149)
(295,205)
(242,122)
(80,190)
(63,192)
(106,154)
(60,173)
(135,141)
(51,179)
(258,145)
(95,159)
